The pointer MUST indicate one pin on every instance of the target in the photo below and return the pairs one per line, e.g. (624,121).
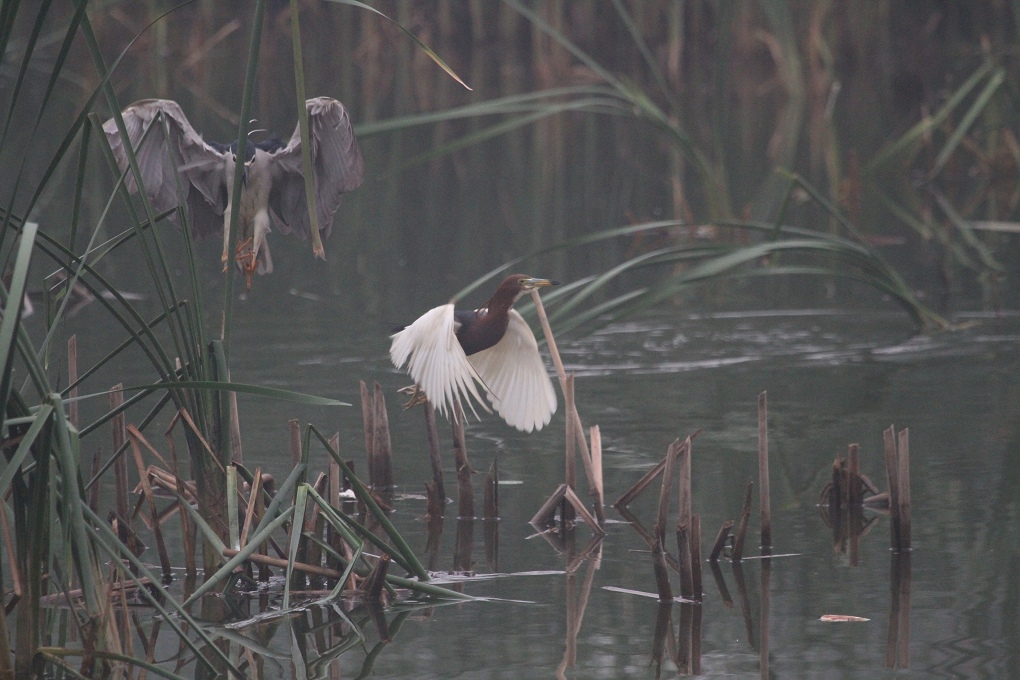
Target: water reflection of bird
(446,351)
(273,185)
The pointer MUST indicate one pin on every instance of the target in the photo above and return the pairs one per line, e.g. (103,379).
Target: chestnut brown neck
(504,297)
(485,327)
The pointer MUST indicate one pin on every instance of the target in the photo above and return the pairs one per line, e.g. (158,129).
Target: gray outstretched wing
(337,168)
(173,150)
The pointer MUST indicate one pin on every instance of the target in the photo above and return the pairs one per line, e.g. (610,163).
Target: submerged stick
(763,474)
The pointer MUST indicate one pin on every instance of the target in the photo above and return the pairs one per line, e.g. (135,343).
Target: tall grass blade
(976,109)
(13,304)
(296,527)
(432,55)
(306,143)
(251,73)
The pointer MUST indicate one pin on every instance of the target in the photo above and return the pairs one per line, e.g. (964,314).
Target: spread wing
(337,168)
(515,377)
(176,165)
(436,360)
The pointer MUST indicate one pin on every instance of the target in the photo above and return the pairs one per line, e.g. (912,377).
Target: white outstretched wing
(515,377)
(436,360)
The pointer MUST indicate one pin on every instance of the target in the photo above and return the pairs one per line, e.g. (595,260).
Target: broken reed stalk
(187,535)
(547,512)
(695,547)
(546,515)
(903,477)
(561,374)
(596,466)
(295,441)
(583,513)
(662,585)
(892,470)
(315,525)
(465,493)
(164,557)
(382,453)
(645,480)
(763,473)
(683,557)
(684,481)
(368,422)
(853,464)
(376,580)
(282,564)
(333,498)
(720,540)
(263,550)
(664,491)
(434,457)
(640,485)
(570,476)
(72,378)
(745,516)
(120,478)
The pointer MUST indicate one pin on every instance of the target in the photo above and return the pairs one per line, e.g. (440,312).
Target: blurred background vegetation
(901,114)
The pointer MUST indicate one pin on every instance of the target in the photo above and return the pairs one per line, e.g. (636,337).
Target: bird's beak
(529,284)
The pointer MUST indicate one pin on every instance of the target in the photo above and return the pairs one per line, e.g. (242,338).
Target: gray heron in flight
(273,190)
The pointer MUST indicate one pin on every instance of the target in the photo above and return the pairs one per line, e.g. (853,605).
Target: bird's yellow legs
(417,396)
(246,257)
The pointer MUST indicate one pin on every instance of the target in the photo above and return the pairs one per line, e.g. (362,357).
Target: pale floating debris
(842,618)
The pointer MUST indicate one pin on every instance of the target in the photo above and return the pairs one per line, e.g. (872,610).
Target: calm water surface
(833,378)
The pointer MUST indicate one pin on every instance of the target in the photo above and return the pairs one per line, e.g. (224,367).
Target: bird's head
(249,156)
(516,285)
